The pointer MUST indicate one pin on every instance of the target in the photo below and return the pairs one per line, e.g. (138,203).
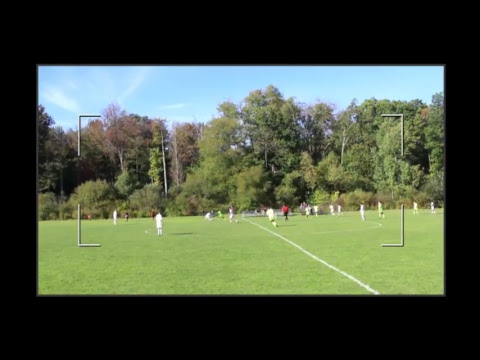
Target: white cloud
(174,106)
(137,80)
(56,96)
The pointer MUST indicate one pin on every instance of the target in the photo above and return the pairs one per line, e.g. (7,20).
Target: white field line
(365,286)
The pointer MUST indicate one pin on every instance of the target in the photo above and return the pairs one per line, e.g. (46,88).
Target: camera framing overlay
(79,169)
(402,240)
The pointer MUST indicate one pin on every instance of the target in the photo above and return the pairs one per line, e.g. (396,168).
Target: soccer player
(126,215)
(285,211)
(271,216)
(332,210)
(339,210)
(362,211)
(315,209)
(208,216)
(153,214)
(231,214)
(115,217)
(415,207)
(308,209)
(220,214)
(380,210)
(159,219)
(432,207)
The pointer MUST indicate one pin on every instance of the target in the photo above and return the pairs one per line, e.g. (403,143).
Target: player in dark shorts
(285,211)
(153,215)
(126,216)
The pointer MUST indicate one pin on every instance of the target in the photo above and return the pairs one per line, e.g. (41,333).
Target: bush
(66,211)
(422,200)
(352,200)
(386,200)
(407,203)
(341,201)
(47,206)
(141,213)
(434,189)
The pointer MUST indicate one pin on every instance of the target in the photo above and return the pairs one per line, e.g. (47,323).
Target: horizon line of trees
(265,150)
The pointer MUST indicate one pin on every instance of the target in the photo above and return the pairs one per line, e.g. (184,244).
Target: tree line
(265,150)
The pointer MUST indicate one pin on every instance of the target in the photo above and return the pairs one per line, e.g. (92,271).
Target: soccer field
(324,255)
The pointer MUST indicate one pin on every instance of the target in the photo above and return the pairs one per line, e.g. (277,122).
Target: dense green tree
(266,150)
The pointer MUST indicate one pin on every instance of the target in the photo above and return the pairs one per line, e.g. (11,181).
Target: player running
(415,208)
(308,210)
(285,211)
(271,216)
(159,219)
(231,214)
(380,210)
(332,210)
(362,211)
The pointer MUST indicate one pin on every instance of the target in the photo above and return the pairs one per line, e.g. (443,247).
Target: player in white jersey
(362,211)
(271,216)
(115,217)
(208,216)
(231,214)
(415,207)
(432,207)
(339,210)
(159,220)
(332,210)
(308,210)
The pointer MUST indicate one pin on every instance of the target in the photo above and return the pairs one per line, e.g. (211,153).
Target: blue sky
(193,93)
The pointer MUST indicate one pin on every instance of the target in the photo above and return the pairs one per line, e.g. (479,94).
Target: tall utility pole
(402,208)
(79,208)
(164,166)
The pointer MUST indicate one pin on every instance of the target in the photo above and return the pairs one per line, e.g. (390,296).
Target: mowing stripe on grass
(366,287)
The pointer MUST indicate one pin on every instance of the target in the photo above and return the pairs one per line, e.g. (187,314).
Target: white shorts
(231,216)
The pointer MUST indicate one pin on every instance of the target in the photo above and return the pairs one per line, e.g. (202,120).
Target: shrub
(352,200)
(66,211)
(47,206)
(407,203)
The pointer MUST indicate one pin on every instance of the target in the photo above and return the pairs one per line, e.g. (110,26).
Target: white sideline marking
(319,260)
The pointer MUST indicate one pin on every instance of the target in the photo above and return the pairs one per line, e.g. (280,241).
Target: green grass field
(324,255)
